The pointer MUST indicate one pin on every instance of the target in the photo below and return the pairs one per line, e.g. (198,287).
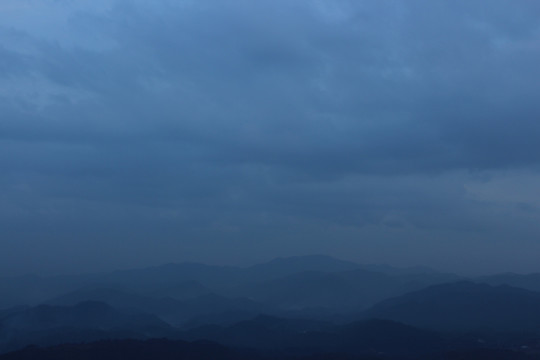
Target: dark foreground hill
(372,337)
(133,350)
(267,337)
(464,306)
(86,322)
(161,349)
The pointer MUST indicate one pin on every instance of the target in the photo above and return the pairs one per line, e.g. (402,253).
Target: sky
(135,133)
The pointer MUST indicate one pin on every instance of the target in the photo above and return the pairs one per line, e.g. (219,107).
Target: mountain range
(301,305)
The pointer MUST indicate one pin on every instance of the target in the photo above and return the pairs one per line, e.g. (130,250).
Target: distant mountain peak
(304,257)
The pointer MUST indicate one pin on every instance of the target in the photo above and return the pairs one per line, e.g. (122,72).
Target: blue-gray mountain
(465,306)
(303,303)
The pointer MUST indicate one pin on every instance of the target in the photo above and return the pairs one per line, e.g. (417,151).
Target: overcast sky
(136,132)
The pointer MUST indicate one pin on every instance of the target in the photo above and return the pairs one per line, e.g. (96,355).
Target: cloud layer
(397,131)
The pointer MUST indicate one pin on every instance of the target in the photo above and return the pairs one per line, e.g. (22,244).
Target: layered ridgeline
(280,338)
(313,304)
(271,282)
(45,325)
(465,306)
(273,338)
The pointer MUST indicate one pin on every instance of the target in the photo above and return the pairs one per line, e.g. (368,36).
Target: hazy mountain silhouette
(189,280)
(33,289)
(528,281)
(45,325)
(180,291)
(392,270)
(312,289)
(280,267)
(268,337)
(112,296)
(175,312)
(88,314)
(346,291)
(259,307)
(188,295)
(464,306)
(217,277)
(16,309)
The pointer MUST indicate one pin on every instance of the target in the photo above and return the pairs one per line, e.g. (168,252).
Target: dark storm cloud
(180,125)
